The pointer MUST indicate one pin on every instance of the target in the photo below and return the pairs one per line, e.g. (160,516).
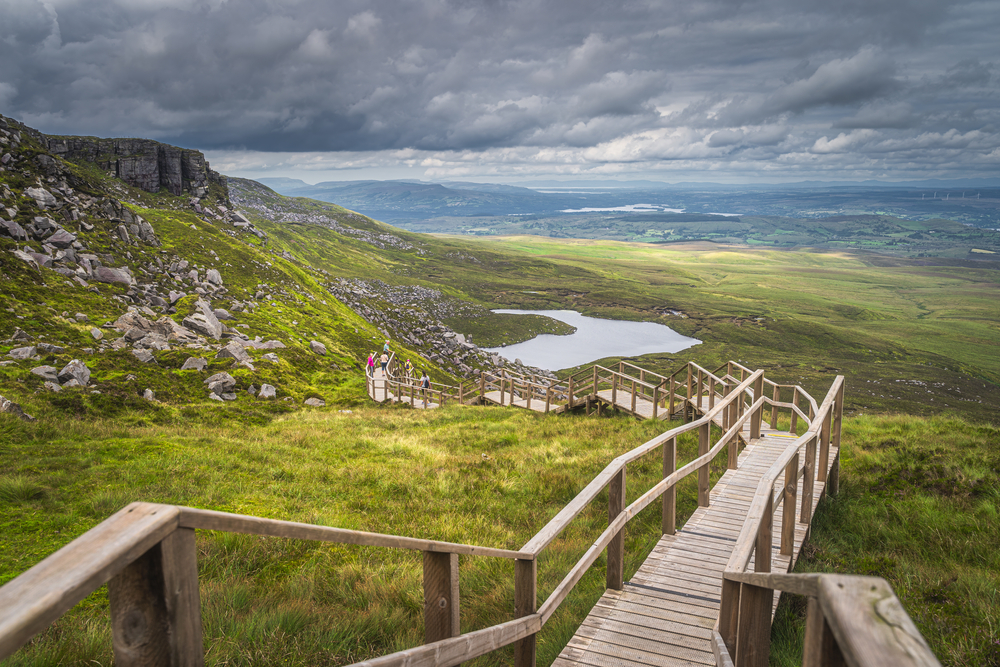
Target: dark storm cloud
(518,81)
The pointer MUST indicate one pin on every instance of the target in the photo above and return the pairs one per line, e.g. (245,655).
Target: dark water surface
(594,339)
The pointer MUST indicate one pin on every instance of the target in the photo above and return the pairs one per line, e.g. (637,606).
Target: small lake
(594,339)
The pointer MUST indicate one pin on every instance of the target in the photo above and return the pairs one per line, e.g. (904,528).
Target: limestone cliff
(142,163)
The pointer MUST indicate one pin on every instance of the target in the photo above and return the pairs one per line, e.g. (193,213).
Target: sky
(729,91)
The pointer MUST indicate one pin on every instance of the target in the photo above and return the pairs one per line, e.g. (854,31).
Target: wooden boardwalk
(665,613)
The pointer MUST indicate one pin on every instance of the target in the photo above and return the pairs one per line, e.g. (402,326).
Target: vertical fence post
(441,601)
(688,401)
(833,483)
(525,600)
(614,389)
(595,381)
(548,398)
(569,404)
(461,392)
(824,446)
(776,396)
(788,498)
(753,634)
(482,386)
(701,387)
(808,478)
(673,390)
(616,548)
(155,608)
(711,392)
(729,614)
(795,415)
(758,415)
(656,400)
(633,396)
(669,521)
(527,398)
(820,649)
(703,447)
(762,547)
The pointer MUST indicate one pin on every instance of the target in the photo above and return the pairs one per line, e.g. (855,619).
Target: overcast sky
(728,91)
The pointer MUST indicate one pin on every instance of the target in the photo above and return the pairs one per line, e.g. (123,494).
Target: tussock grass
(19,489)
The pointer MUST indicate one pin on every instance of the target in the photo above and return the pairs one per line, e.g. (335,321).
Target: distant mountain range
(434,207)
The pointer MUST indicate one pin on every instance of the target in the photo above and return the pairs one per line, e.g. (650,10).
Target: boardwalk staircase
(705,595)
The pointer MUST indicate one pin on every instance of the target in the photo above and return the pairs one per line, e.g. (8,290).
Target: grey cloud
(745,80)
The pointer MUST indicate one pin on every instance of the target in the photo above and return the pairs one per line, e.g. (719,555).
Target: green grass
(919,505)
(485,476)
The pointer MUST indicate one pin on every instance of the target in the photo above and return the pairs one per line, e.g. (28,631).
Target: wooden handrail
(851,619)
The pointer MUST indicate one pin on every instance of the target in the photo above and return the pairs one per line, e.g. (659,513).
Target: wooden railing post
(155,609)
(774,408)
(669,522)
(656,400)
(820,646)
(795,415)
(548,398)
(482,386)
(729,614)
(673,390)
(808,479)
(788,498)
(758,415)
(711,393)
(525,601)
(701,387)
(614,389)
(441,600)
(762,547)
(569,405)
(753,632)
(633,396)
(833,483)
(688,401)
(528,393)
(616,547)
(595,381)
(824,446)
(703,447)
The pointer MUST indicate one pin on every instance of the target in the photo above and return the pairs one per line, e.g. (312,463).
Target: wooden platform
(537,404)
(379,390)
(666,611)
(623,401)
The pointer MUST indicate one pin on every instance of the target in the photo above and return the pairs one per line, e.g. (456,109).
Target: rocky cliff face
(142,163)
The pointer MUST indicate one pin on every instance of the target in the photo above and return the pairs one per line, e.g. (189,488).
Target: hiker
(385,348)
(425,385)
(384,360)
(408,369)
(371,364)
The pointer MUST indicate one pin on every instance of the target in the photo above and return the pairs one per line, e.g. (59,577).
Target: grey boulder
(317,347)
(315,402)
(266,391)
(107,274)
(233,350)
(21,353)
(145,356)
(46,373)
(203,320)
(194,364)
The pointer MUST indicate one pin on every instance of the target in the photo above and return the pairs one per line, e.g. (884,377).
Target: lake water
(594,339)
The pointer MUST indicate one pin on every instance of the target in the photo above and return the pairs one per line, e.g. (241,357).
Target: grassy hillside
(917,340)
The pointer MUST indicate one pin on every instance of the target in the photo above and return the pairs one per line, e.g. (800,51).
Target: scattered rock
(272,357)
(49,348)
(235,351)
(76,370)
(96,333)
(106,274)
(203,320)
(223,314)
(20,334)
(194,364)
(317,347)
(145,356)
(252,390)
(21,353)
(10,407)
(81,317)
(315,402)
(42,197)
(267,391)
(229,396)
(46,372)
(221,383)
(71,383)
(149,395)
(213,277)
(52,386)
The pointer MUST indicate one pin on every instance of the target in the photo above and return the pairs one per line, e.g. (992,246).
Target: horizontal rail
(251,525)
(559,522)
